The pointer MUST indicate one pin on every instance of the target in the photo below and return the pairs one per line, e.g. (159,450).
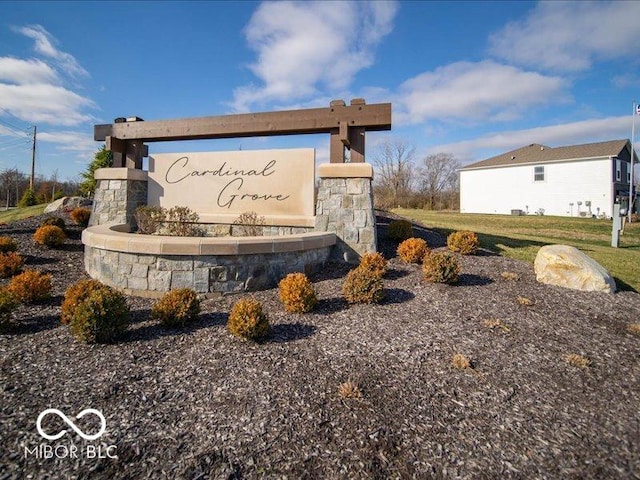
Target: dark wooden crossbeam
(335,118)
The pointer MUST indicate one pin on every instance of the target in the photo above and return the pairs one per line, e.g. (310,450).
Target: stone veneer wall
(152,275)
(344,206)
(119,192)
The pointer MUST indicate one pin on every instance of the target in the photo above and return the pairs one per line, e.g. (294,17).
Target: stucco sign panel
(219,186)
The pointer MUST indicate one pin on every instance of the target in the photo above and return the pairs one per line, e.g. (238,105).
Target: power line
(14,129)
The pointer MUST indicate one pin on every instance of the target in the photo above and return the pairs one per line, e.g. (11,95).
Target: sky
(474,79)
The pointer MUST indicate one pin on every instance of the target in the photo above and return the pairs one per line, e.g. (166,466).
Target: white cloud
(586,131)
(45,45)
(45,103)
(468,91)
(304,46)
(16,70)
(79,143)
(569,36)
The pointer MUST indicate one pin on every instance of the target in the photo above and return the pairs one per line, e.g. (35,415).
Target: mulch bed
(202,404)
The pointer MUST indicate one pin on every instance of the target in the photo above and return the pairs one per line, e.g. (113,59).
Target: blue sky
(470,78)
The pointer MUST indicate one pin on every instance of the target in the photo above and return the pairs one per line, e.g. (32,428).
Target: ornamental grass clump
(10,264)
(375,263)
(100,317)
(349,390)
(362,286)
(440,267)
(81,216)
(412,250)
(177,308)
(247,320)
(399,230)
(74,295)
(464,242)
(30,286)
(50,235)
(8,304)
(8,244)
(297,293)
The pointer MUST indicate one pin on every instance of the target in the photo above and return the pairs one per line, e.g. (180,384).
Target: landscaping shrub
(7,305)
(374,262)
(297,293)
(399,230)
(30,286)
(101,317)
(461,361)
(8,244)
(149,219)
(464,242)
(248,224)
(349,389)
(362,286)
(10,264)
(55,221)
(81,216)
(412,250)
(177,308)
(74,295)
(28,199)
(180,222)
(578,360)
(50,235)
(247,320)
(440,267)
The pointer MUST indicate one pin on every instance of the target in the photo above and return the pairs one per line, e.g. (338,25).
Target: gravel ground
(200,404)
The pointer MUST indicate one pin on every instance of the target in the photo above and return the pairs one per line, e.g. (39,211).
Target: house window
(538,174)
(618,170)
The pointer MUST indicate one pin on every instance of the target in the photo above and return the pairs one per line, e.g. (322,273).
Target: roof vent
(513,157)
(541,148)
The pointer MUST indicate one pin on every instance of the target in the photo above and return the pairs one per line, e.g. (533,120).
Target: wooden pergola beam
(375,117)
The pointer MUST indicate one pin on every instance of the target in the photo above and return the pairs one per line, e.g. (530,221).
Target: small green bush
(55,221)
(74,295)
(50,235)
(297,293)
(440,267)
(463,242)
(10,264)
(8,304)
(375,263)
(81,216)
(177,308)
(362,286)
(30,286)
(8,244)
(399,230)
(412,250)
(247,320)
(101,317)
(28,199)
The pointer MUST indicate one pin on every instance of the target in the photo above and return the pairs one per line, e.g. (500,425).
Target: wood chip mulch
(199,404)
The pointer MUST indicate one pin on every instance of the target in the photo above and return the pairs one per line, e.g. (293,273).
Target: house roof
(536,153)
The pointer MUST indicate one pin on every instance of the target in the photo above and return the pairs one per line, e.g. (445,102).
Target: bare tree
(438,175)
(393,161)
(12,180)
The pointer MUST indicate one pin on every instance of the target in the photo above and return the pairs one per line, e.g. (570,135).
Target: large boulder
(68,203)
(568,267)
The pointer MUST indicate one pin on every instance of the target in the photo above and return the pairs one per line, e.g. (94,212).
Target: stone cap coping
(118,239)
(345,170)
(121,173)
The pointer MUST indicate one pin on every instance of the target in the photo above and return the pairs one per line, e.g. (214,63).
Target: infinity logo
(84,412)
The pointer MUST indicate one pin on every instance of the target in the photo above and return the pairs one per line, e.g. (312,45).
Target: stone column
(344,206)
(119,192)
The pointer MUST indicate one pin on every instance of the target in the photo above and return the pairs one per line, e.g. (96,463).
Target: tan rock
(568,267)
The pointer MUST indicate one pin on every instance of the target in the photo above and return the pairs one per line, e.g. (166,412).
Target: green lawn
(20,213)
(521,237)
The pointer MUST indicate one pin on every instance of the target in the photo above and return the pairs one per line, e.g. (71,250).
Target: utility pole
(33,160)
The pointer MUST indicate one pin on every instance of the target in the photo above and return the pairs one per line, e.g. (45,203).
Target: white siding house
(579,180)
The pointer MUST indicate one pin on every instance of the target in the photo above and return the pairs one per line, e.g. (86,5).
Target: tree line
(15,188)
(403,180)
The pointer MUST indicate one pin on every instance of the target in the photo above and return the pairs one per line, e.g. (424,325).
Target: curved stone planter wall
(148,265)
